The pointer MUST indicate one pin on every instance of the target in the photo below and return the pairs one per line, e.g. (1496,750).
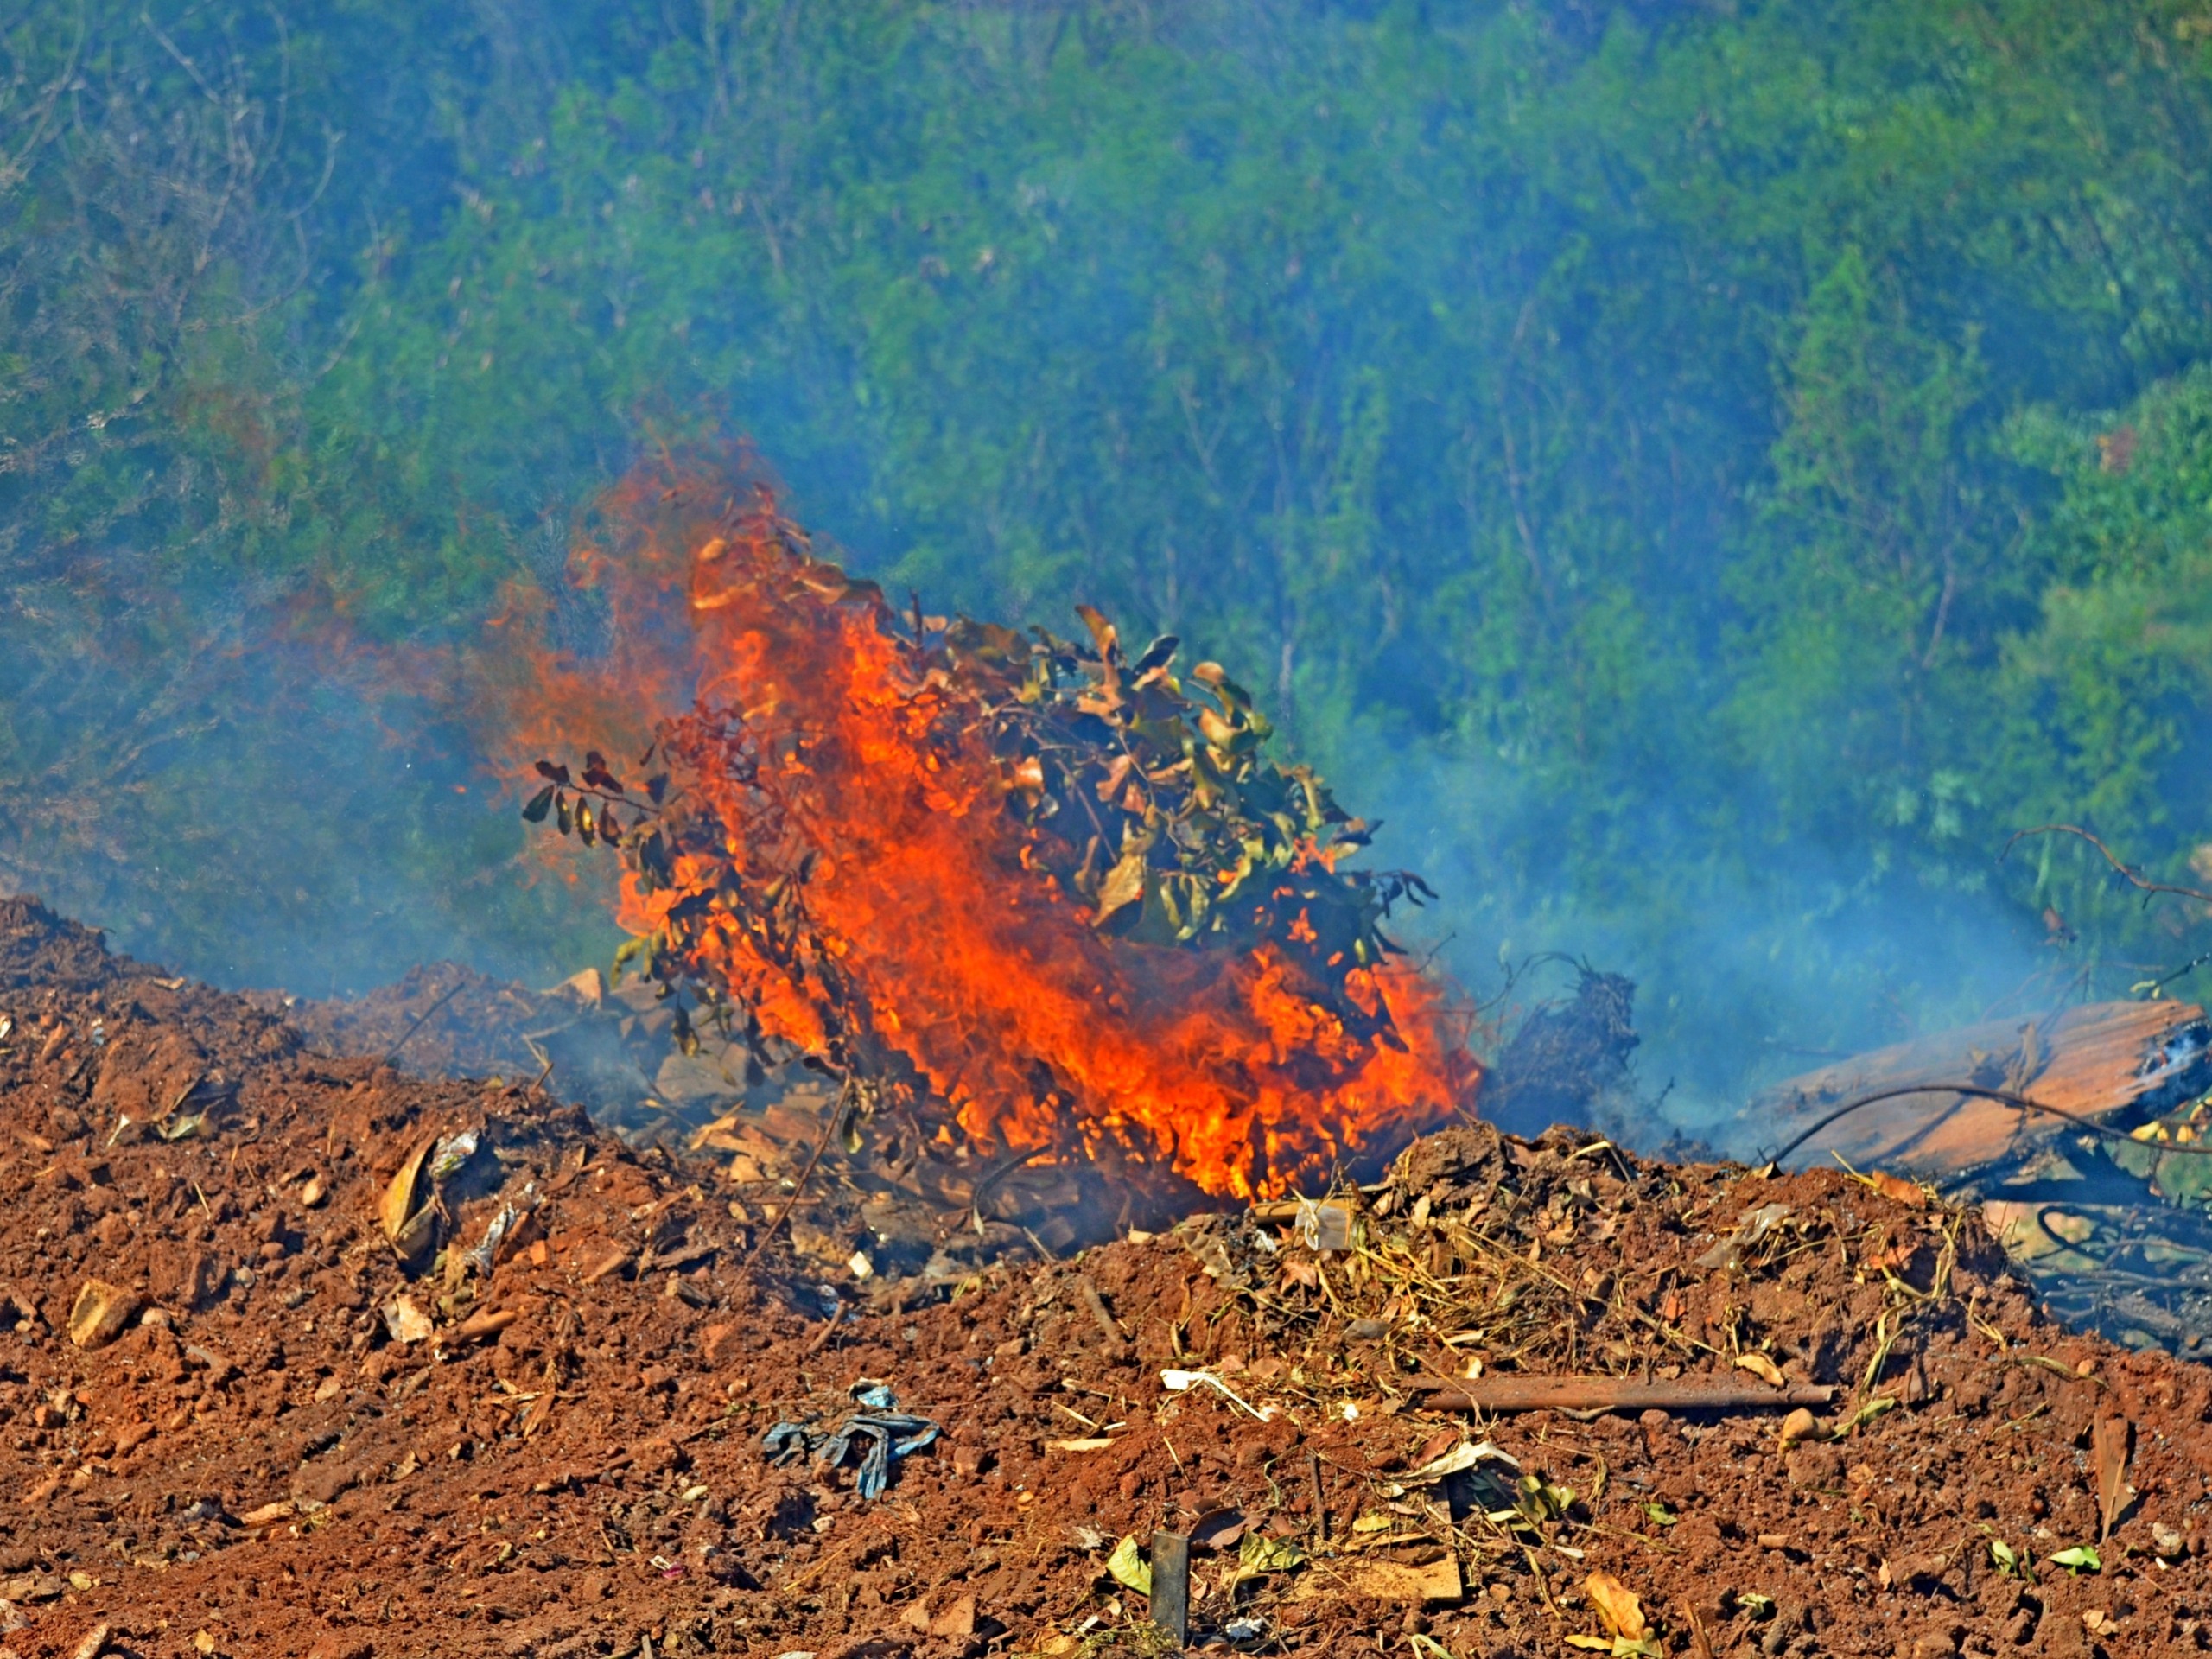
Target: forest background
(1705,474)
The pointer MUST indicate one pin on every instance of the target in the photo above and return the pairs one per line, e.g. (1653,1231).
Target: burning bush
(1043,895)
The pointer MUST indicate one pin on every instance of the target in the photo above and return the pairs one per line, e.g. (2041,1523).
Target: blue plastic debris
(885,1434)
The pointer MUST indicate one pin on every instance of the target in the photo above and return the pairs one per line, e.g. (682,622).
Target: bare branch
(2126,871)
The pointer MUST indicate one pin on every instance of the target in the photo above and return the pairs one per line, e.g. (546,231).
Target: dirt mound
(232,1420)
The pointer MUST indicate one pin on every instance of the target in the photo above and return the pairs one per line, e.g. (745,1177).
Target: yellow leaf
(397,1205)
(1617,1605)
(1128,1568)
(1761,1367)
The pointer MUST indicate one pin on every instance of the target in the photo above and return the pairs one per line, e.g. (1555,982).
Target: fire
(947,859)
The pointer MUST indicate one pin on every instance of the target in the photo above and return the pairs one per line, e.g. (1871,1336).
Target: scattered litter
(406,1322)
(1754,1226)
(1325,1227)
(497,1231)
(888,1436)
(1460,1458)
(450,1152)
(1177,1381)
(1171,1587)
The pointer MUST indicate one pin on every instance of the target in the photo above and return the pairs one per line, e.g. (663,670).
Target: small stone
(958,1619)
(100,1313)
(313,1194)
(2169,1544)
(606,1266)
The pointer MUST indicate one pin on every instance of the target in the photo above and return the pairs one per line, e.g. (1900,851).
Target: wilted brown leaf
(2108,1450)
(1909,1193)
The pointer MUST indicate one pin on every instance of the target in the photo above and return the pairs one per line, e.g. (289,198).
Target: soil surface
(304,1355)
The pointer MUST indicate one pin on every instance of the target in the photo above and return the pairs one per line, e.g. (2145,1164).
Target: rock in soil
(567,1460)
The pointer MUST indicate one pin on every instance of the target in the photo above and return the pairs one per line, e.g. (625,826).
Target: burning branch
(1038,895)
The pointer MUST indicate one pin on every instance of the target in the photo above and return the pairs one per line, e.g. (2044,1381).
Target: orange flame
(824,750)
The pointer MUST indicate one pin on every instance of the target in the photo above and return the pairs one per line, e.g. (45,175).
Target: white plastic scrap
(1326,1225)
(1754,1225)
(483,1257)
(406,1322)
(1183,1381)
(450,1153)
(1460,1458)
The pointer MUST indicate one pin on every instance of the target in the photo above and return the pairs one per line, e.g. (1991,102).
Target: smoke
(1753,962)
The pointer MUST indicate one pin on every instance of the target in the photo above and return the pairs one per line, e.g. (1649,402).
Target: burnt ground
(276,1436)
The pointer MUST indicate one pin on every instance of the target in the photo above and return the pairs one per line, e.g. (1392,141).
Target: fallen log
(2121,1061)
(1608,1394)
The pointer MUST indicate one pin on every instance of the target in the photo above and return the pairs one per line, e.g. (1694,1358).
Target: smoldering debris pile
(307,1355)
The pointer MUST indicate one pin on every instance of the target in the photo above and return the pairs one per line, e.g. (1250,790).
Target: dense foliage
(1712,472)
